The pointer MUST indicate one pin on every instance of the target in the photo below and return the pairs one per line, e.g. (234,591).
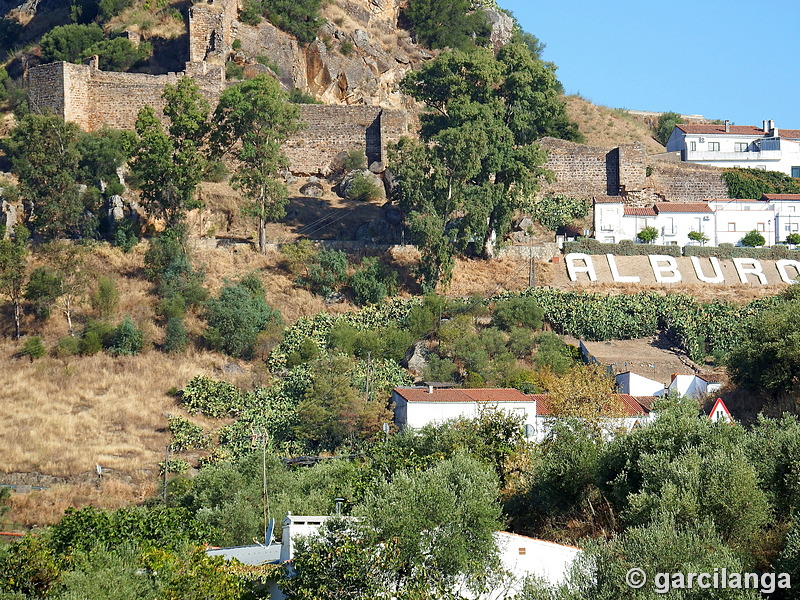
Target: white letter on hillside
(782,264)
(612,264)
(698,270)
(754,268)
(573,269)
(660,270)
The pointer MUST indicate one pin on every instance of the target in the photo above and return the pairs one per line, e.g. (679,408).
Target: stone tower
(212,29)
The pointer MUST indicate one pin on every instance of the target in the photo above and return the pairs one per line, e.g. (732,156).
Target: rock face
(502,27)
(312,189)
(349,178)
(359,58)
(416,359)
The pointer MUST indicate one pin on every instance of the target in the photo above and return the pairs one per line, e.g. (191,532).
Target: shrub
(95,336)
(43,289)
(67,346)
(69,42)
(328,274)
(33,348)
(237,44)
(464,28)
(793,238)
(105,298)
(365,188)
(298,256)
(117,54)
(373,282)
(177,337)
(127,339)
(754,183)
(186,435)
(623,248)
(648,234)
(233,70)
(268,62)
(298,17)
(125,235)
(237,317)
(356,160)
(298,97)
(666,124)
(250,12)
(753,239)
(346,48)
(215,171)
(698,236)
(518,312)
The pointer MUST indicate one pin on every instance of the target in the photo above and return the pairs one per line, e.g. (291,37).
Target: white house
(720,221)
(727,145)
(520,556)
(636,385)
(416,407)
(787,213)
(693,386)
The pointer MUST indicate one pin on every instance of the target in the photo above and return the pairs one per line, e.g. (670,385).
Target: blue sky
(724,59)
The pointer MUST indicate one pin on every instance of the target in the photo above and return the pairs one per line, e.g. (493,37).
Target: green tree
(447,24)
(518,312)
(767,355)
(327,273)
(793,238)
(42,290)
(44,157)
(556,210)
(253,118)
(237,317)
(477,161)
(69,42)
(169,164)
(105,298)
(753,239)
(14,271)
(298,17)
(103,153)
(117,54)
(126,339)
(666,124)
(373,282)
(33,348)
(647,235)
(698,236)
(68,263)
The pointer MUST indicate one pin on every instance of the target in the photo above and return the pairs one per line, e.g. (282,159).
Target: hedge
(624,248)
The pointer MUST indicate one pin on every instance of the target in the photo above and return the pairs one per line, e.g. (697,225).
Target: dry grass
(608,128)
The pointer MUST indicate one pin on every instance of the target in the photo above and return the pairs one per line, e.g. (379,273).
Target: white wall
(736,218)
(636,385)
(524,556)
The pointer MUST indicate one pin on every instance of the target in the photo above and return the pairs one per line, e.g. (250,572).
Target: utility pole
(166,470)
(531,276)
(260,437)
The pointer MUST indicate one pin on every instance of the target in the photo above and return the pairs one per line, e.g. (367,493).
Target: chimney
(771,127)
(727,126)
(430,389)
(764,127)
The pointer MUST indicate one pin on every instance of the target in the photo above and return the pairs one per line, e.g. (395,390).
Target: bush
(753,239)
(125,235)
(117,54)
(105,298)
(373,282)
(356,160)
(211,398)
(215,171)
(666,124)
(250,12)
(298,17)
(33,348)
(298,97)
(95,336)
(624,248)
(365,188)
(554,211)
(67,346)
(648,234)
(754,183)
(237,317)
(298,256)
(793,238)
(43,289)
(126,339)
(463,29)
(233,70)
(69,42)
(518,312)
(328,274)
(186,435)
(346,48)
(177,337)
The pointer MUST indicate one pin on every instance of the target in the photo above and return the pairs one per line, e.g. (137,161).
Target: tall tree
(169,163)
(14,271)
(477,161)
(253,118)
(44,156)
(67,261)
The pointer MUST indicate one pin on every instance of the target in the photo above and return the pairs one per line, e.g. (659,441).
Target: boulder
(377,167)
(393,215)
(116,209)
(416,359)
(8,217)
(347,182)
(524,224)
(313,190)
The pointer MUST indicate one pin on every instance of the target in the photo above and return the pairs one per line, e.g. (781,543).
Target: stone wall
(330,130)
(589,172)
(212,29)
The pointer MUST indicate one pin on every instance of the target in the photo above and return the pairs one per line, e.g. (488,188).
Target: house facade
(726,145)
(720,221)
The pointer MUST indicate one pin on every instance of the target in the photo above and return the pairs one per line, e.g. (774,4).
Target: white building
(693,386)
(727,145)
(720,221)
(636,385)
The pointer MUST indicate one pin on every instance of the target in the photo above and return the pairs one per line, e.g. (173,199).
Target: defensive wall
(628,172)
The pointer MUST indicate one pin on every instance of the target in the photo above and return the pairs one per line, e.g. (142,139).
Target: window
(731,226)
(761,227)
(787,228)
(746,207)
(693,147)
(713,146)
(795,171)
(523,551)
(740,147)
(795,227)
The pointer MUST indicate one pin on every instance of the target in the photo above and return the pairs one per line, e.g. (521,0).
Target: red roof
(542,404)
(490,395)
(633,406)
(768,197)
(690,207)
(710,129)
(639,211)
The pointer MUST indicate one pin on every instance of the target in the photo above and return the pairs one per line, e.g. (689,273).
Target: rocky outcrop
(359,57)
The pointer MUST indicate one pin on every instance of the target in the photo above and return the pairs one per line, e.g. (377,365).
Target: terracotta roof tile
(639,211)
(768,197)
(711,129)
(542,404)
(690,207)
(488,395)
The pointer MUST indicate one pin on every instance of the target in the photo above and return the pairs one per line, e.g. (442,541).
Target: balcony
(763,156)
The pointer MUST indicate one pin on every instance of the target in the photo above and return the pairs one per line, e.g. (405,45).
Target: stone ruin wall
(589,172)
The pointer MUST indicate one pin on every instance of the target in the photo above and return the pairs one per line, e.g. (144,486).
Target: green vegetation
(373,282)
(298,17)
(793,238)
(33,348)
(555,211)
(252,119)
(698,236)
(364,188)
(647,235)
(446,24)
(14,271)
(753,239)
(666,124)
(477,161)
(754,183)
